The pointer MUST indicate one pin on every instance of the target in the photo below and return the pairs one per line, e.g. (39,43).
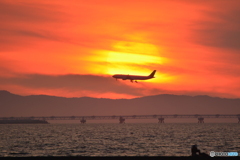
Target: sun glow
(134,58)
(136,47)
(130,58)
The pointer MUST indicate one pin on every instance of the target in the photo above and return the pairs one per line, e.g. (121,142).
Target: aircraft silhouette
(133,77)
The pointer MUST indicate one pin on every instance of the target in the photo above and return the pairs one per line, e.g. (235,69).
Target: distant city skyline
(72,48)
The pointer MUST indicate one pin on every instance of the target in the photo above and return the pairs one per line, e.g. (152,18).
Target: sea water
(139,139)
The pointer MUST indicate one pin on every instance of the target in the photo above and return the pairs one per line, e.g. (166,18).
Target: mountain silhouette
(43,105)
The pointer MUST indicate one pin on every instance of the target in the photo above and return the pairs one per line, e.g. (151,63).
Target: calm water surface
(146,139)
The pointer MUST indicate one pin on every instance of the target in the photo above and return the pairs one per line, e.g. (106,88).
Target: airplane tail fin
(152,74)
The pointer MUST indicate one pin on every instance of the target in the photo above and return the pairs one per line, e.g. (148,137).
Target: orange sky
(72,48)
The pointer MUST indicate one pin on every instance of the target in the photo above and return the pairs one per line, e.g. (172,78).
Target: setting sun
(129,57)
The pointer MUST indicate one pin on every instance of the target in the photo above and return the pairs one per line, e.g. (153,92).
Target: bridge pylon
(83,121)
(160,120)
(200,120)
(121,120)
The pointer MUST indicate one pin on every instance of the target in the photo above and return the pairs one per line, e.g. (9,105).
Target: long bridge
(122,118)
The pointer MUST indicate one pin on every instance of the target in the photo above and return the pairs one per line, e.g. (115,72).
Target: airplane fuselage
(130,77)
(133,77)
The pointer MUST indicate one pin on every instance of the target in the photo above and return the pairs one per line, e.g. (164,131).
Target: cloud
(220,28)
(23,23)
(90,83)
(107,87)
(41,39)
(29,12)
(32,23)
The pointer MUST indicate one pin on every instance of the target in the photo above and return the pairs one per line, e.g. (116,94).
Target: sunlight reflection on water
(146,139)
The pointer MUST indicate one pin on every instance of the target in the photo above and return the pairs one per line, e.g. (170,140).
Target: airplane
(133,77)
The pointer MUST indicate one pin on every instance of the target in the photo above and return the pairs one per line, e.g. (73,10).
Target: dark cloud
(22,21)
(18,35)
(99,85)
(225,70)
(92,83)
(28,12)
(22,32)
(222,32)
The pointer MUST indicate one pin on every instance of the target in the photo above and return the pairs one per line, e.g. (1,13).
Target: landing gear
(134,81)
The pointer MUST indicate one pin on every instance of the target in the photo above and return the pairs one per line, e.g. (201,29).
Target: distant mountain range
(42,105)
